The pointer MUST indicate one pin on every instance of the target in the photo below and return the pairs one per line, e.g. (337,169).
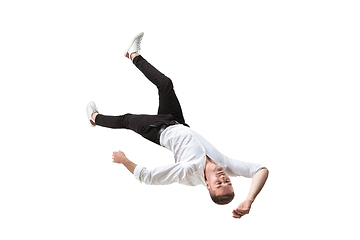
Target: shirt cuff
(137,172)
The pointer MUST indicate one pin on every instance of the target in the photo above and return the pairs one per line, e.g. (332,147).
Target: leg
(168,101)
(145,125)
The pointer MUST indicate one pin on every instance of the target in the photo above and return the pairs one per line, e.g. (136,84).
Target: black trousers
(149,126)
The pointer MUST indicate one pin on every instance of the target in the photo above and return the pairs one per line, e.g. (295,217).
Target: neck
(209,167)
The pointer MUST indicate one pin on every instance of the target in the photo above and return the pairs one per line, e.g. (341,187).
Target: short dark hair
(222,199)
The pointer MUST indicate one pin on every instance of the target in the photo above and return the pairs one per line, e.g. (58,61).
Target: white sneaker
(90,109)
(134,46)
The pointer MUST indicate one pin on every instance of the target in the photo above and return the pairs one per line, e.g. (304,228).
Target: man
(196,160)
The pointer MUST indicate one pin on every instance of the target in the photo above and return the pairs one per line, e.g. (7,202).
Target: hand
(243,209)
(119,157)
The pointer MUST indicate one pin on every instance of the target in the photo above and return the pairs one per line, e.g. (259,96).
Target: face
(219,182)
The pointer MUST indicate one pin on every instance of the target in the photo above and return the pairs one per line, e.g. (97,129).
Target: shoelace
(138,44)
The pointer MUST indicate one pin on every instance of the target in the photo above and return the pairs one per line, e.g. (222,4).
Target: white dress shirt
(190,151)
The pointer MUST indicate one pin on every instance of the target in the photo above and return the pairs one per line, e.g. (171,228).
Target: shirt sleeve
(232,167)
(162,175)
(240,168)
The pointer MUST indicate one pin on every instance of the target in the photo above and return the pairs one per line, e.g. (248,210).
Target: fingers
(116,156)
(238,213)
(236,216)
(242,211)
(117,152)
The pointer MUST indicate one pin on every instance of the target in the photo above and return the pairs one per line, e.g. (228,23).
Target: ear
(207,185)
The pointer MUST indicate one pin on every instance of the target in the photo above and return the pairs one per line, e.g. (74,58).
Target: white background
(272,82)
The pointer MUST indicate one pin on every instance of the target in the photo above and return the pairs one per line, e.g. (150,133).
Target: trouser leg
(168,101)
(147,126)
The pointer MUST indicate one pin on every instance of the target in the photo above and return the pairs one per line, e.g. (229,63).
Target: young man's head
(219,186)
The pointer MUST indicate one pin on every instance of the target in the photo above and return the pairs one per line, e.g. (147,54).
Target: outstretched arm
(157,176)
(119,157)
(257,184)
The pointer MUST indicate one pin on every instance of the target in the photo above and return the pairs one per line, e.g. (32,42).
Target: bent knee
(165,84)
